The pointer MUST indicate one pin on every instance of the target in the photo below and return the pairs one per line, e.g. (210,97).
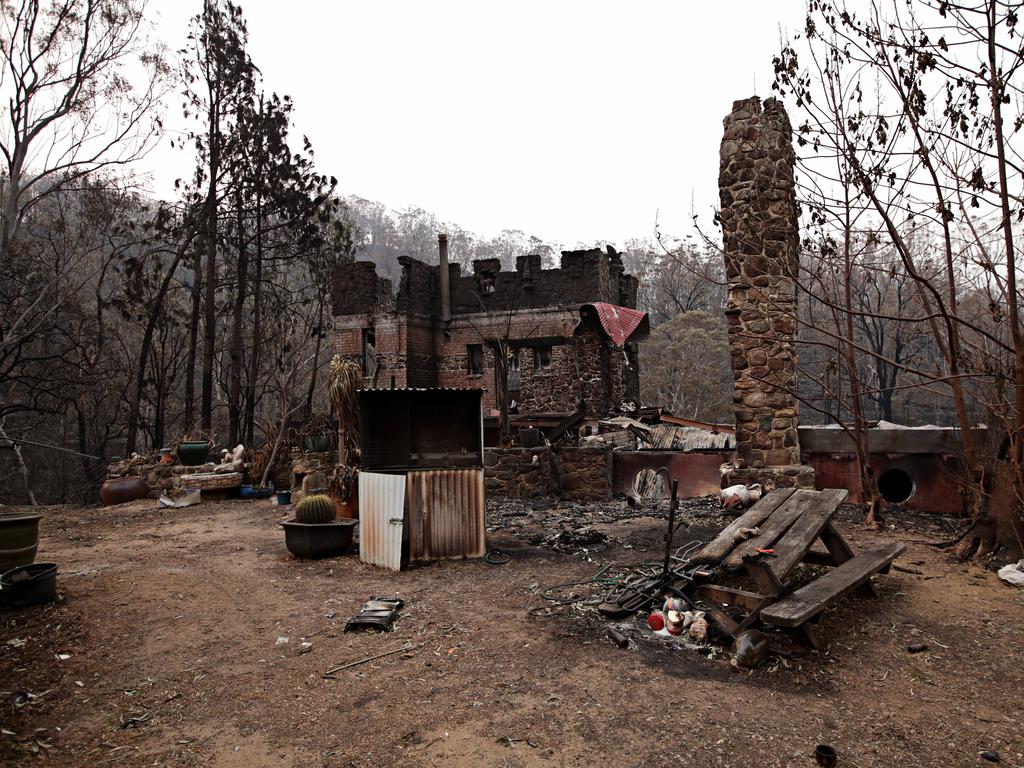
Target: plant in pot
(314,533)
(343,381)
(316,435)
(343,486)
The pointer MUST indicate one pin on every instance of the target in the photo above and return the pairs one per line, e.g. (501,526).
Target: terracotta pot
(194,453)
(347,510)
(19,538)
(118,490)
(166,456)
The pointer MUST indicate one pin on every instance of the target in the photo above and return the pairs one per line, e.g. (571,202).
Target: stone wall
(584,474)
(519,473)
(302,463)
(761,243)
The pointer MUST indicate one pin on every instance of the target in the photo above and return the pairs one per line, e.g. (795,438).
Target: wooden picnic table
(768,542)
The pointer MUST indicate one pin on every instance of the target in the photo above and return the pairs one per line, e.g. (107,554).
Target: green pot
(316,443)
(19,538)
(194,453)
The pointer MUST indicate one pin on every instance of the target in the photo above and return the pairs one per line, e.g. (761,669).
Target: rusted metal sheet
(381,514)
(446,513)
(728,429)
(668,437)
(621,323)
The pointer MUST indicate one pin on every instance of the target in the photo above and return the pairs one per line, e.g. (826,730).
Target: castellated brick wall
(761,243)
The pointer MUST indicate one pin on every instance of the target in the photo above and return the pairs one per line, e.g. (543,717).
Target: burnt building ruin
(547,342)
(761,240)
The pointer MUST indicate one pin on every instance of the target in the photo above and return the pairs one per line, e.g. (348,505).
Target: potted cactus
(314,533)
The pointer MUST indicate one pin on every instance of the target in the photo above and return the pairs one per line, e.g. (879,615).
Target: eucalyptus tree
(219,81)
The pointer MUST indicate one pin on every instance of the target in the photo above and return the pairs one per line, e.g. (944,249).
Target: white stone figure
(231,461)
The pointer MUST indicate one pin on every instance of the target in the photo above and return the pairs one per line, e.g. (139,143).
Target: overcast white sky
(570,120)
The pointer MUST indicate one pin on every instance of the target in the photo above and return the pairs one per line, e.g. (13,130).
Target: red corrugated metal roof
(620,323)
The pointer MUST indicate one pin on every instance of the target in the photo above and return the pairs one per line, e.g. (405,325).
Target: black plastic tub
(33,584)
(315,540)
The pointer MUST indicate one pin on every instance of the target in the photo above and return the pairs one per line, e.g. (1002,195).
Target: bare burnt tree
(917,102)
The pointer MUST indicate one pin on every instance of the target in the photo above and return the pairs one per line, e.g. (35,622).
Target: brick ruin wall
(538,307)
(761,243)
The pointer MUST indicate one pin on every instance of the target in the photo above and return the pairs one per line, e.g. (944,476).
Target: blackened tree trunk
(210,307)
(235,404)
(257,323)
(193,341)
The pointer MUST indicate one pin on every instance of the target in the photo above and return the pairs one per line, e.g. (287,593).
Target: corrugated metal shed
(422,451)
(446,513)
(381,519)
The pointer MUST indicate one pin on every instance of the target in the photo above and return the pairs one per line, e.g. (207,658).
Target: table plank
(772,528)
(810,600)
(724,542)
(791,548)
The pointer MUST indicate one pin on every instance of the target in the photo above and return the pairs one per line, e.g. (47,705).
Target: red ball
(656,621)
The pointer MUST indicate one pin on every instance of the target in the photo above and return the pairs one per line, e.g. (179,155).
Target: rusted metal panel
(381,513)
(936,478)
(446,513)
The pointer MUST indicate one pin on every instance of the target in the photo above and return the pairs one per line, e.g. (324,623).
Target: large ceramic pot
(316,443)
(118,490)
(316,540)
(19,538)
(192,454)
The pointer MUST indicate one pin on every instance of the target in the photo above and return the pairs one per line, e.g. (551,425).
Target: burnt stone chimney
(761,243)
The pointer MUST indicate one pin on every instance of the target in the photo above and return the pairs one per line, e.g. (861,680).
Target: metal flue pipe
(442,250)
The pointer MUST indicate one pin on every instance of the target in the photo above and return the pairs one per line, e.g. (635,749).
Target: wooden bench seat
(810,600)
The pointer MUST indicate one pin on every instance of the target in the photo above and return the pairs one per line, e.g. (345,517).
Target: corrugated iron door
(446,513)
(381,515)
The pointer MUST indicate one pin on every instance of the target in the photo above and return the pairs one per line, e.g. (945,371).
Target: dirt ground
(166,649)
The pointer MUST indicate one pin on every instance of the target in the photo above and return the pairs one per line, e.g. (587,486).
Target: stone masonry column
(761,244)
